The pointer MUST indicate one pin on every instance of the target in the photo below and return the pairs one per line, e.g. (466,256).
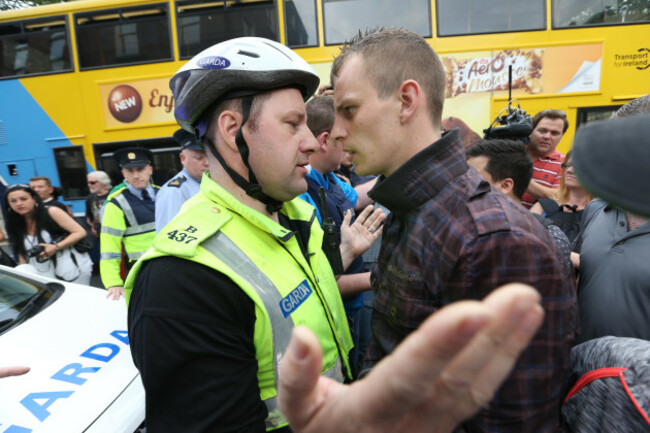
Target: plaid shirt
(450,237)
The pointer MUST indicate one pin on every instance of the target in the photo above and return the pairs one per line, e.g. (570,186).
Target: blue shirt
(138,192)
(337,204)
(172,195)
(324,181)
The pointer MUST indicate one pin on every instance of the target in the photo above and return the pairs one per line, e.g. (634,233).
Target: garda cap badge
(295,298)
(131,155)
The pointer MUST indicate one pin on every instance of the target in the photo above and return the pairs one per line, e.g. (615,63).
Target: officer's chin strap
(251,186)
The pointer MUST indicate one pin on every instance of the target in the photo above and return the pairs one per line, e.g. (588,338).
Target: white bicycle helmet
(237,68)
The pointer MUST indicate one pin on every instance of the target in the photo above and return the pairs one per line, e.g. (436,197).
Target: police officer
(213,303)
(186,183)
(128,218)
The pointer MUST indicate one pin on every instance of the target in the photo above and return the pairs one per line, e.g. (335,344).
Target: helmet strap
(251,186)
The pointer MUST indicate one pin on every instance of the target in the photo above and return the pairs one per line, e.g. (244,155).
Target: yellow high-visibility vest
(265,260)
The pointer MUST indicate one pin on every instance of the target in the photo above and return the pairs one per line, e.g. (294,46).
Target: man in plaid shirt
(449,237)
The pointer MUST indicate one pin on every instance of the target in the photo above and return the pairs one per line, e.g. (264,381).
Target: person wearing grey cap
(186,183)
(609,377)
(614,288)
(128,219)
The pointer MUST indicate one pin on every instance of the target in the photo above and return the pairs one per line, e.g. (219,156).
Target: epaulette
(176,183)
(115,193)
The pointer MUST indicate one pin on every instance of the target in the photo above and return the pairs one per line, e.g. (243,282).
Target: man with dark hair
(449,236)
(503,163)
(548,128)
(506,166)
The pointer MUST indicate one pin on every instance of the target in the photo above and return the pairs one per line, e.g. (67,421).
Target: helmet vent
(279,51)
(249,54)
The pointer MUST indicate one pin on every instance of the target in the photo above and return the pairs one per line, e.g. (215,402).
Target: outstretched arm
(440,375)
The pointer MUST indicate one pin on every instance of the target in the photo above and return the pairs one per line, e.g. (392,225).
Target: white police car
(75,341)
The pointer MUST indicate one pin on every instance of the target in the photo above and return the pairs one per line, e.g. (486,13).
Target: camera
(513,125)
(35,251)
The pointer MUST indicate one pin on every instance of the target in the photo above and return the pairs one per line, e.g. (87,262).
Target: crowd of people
(247,273)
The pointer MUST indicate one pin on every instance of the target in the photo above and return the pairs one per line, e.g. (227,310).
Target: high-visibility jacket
(129,221)
(266,261)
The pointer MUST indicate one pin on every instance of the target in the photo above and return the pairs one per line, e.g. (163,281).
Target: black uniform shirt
(191,331)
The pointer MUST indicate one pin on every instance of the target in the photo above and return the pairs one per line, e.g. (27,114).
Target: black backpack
(83,246)
(88,242)
(610,387)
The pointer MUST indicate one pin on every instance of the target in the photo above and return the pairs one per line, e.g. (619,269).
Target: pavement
(95,279)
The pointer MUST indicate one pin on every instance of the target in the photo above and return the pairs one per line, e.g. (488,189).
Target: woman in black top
(42,236)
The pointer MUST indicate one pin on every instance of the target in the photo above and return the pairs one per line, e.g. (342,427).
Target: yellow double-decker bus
(79,80)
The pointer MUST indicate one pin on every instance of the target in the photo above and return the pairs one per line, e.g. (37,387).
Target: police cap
(186,140)
(128,157)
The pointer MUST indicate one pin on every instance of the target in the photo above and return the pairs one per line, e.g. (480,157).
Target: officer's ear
(228,124)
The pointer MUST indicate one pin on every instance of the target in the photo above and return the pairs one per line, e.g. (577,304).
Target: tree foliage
(6,5)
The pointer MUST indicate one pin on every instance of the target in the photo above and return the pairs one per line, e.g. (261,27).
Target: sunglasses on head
(17,186)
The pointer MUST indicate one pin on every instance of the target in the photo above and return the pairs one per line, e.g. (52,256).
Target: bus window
(592,114)
(577,13)
(201,25)
(463,17)
(34,47)
(71,166)
(344,19)
(123,36)
(300,23)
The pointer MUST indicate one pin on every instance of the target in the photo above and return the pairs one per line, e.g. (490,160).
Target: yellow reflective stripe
(110,256)
(111,231)
(223,248)
(142,228)
(126,209)
(135,255)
